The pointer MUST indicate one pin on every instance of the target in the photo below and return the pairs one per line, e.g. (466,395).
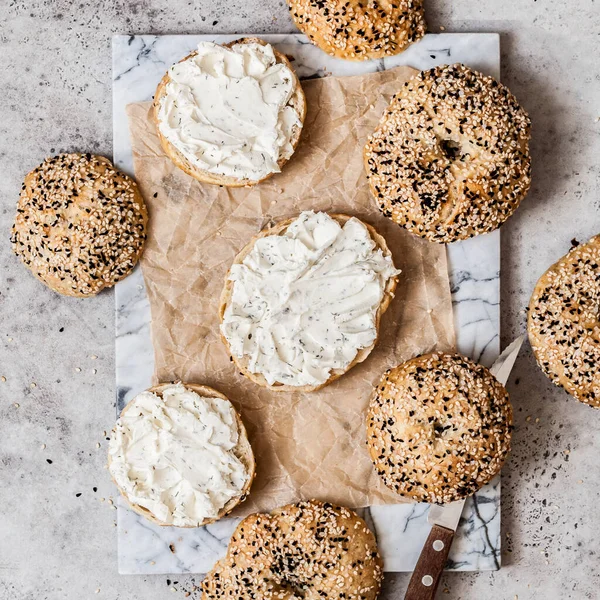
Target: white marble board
(139,62)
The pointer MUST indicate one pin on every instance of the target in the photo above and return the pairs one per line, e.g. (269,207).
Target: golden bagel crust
(244,453)
(80,224)
(311,550)
(297,102)
(438,428)
(279,229)
(358,29)
(563,326)
(450,157)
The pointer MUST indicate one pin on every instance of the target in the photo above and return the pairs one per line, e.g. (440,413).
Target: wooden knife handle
(428,572)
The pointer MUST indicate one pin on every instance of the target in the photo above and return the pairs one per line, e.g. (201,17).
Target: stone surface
(56,97)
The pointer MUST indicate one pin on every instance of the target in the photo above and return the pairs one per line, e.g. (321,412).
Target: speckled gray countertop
(57,535)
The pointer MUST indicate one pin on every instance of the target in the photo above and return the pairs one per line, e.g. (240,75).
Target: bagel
(438,428)
(311,550)
(359,30)
(302,369)
(450,157)
(188,159)
(563,326)
(80,225)
(178,495)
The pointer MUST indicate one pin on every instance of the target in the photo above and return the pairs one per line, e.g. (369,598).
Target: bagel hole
(438,428)
(450,148)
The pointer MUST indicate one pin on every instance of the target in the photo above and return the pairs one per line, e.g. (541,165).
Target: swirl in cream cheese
(226,110)
(175,455)
(305,302)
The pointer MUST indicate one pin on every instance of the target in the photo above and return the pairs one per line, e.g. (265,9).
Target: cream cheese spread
(305,302)
(175,455)
(226,110)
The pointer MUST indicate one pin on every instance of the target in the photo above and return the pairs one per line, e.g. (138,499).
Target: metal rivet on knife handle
(427,581)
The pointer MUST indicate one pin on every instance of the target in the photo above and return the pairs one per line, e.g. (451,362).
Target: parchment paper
(307,445)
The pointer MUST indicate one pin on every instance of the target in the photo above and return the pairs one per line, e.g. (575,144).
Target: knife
(444,518)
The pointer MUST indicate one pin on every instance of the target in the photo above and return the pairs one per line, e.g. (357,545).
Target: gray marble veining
(138,64)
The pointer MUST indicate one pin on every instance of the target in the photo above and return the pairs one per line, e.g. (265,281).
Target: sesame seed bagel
(450,157)
(358,29)
(80,224)
(563,322)
(311,550)
(297,102)
(438,428)
(227,295)
(243,451)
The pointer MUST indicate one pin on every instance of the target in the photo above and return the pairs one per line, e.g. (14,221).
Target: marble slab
(138,64)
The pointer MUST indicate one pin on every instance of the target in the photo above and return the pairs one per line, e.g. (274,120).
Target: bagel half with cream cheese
(121,468)
(217,174)
(236,318)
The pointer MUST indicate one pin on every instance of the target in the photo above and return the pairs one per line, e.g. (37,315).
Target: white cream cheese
(305,302)
(226,110)
(175,455)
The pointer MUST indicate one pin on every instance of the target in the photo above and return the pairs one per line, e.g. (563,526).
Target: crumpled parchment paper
(307,445)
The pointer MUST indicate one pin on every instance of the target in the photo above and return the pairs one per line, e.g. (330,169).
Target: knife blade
(445,518)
